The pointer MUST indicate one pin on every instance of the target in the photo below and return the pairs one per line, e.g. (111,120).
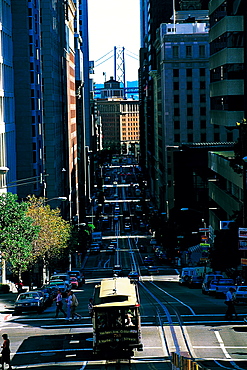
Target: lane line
(222,346)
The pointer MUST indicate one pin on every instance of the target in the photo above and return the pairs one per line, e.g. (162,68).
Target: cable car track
(162,311)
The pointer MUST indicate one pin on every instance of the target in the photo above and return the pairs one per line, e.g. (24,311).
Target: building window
(190,138)
(189,85)
(188,51)
(189,111)
(202,85)
(176,125)
(189,72)
(202,72)
(175,51)
(203,124)
(177,138)
(175,72)
(176,98)
(189,98)
(203,98)
(176,112)
(201,51)
(190,125)
(203,111)
(175,85)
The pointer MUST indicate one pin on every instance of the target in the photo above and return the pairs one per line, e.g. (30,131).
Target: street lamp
(63,199)
(3,170)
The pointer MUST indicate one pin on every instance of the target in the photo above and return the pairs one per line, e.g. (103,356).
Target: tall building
(7,107)
(227,62)
(119,119)
(28,96)
(45,102)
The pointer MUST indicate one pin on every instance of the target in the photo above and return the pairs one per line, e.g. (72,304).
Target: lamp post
(3,171)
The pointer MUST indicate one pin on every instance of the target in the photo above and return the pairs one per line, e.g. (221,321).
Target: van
(207,280)
(193,275)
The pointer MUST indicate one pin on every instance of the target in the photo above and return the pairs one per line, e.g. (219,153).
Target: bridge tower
(119,66)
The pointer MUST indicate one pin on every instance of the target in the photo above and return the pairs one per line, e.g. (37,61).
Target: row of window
(189,85)
(190,124)
(189,98)
(227,40)
(189,72)
(227,72)
(203,111)
(188,51)
(203,137)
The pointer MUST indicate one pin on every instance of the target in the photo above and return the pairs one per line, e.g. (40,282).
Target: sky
(114,23)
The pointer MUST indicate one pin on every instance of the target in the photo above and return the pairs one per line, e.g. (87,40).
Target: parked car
(60,276)
(133,275)
(79,275)
(43,295)
(74,283)
(49,292)
(61,285)
(29,301)
(219,287)
(241,294)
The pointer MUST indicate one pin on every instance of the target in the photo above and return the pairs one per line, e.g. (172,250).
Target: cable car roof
(115,292)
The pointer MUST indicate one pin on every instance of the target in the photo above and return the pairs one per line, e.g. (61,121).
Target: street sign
(244,261)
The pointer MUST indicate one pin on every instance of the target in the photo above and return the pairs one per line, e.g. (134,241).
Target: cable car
(116,318)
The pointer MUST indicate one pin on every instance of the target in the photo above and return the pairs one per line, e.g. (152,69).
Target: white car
(241,294)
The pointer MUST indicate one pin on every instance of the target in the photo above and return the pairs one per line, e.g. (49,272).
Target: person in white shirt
(230,298)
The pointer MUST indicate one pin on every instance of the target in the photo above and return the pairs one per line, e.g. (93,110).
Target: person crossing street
(59,304)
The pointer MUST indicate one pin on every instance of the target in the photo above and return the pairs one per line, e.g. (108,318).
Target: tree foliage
(17,233)
(54,231)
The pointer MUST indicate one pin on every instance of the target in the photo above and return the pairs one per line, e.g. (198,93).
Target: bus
(116,318)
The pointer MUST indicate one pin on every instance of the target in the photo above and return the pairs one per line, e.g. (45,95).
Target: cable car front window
(116,318)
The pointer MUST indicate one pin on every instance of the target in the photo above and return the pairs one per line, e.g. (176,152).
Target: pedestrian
(90,307)
(74,304)
(230,304)
(59,304)
(6,351)
(69,302)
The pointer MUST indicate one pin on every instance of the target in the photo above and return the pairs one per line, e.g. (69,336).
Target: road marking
(176,299)
(56,351)
(84,365)
(221,343)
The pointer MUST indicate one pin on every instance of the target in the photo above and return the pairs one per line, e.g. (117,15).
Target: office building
(7,108)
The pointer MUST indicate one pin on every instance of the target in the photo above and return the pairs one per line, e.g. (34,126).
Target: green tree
(54,231)
(17,233)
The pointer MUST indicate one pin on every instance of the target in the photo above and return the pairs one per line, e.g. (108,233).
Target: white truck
(193,276)
(207,280)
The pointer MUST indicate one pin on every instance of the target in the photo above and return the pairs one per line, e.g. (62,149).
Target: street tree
(54,231)
(17,233)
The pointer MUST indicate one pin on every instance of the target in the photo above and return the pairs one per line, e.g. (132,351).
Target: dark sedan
(29,301)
